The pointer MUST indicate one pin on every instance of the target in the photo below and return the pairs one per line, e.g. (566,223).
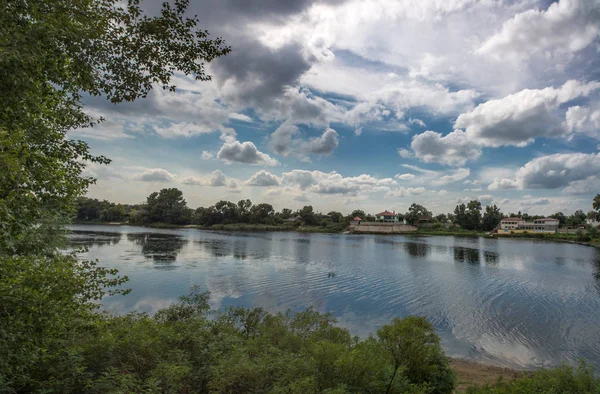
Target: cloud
(582,120)
(176,130)
(453,149)
(155,175)
(282,142)
(471,182)
(567,26)
(323,145)
(405,153)
(439,177)
(502,184)
(263,178)
(519,118)
(334,183)
(486,199)
(216,179)
(234,151)
(404,176)
(412,191)
(558,170)
(207,155)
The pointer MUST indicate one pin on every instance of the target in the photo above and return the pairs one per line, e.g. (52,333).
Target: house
(386,216)
(356,221)
(424,221)
(594,222)
(292,219)
(511,223)
(518,225)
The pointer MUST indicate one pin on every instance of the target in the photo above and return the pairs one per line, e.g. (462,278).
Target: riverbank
(471,373)
(558,237)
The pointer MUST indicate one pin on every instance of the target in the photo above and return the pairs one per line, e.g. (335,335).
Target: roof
(425,218)
(356,219)
(386,213)
(513,219)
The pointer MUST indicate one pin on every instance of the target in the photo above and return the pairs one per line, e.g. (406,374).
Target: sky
(371,105)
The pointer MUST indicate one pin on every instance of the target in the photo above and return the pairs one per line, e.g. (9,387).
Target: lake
(515,303)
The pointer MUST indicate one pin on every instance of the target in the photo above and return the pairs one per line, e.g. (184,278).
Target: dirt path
(473,373)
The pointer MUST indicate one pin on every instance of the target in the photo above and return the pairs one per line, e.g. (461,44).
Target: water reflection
(94,238)
(416,249)
(539,305)
(160,247)
(467,255)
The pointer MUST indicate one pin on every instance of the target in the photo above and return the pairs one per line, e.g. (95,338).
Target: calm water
(509,302)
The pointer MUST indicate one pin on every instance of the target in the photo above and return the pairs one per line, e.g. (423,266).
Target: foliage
(596,203)
(44,300)
(416,212)
(561,218)
(577,218)
(491,218)
(565,380)
(53,52)
(187,348)
(167,206)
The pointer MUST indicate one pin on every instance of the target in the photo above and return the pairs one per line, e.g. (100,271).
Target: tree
(460,215)
(596,203)
(335,216)
(167,206)
(413,345)
(263,213)
(415,212)
(358,212)
(562,219)
(243,210)
(227,211)
(491,218)
(286,213)
(307,215)
(53,52)
(577,218)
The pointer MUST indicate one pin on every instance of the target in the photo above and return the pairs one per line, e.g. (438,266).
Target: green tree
(263,213)
(562,219)
(577,218)
(307,215)
(415,212)
(491,218)
(414,347)
(596,203)
(54,52)
(460,215)
(358,212)
(227,211)
(335,216)
(167,206)
(243,210)
(286,213)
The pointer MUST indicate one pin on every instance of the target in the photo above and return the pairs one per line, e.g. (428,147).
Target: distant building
(518,225)
(386,216)
(511,223)
(356,220)
(594,222)
(292,219)
(424,221)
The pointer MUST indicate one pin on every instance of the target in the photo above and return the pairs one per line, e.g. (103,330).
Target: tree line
(168,206)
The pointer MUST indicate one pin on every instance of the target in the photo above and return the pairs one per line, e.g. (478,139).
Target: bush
(186,348)
(564,380)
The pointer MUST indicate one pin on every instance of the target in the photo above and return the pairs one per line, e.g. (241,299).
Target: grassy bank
(461,233)
(558,237)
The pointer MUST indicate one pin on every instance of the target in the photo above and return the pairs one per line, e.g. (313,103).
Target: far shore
(247,227)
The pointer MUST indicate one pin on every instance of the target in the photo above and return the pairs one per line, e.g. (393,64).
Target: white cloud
(405,176)
(323,145)
(234,151)
(176,130)
(405,153)
(519,118)
(471,182)
(206,155)
(453,149)
(502,184)
(558,170)
(334,183)
(240,117)
(155,175)
(263,178)
(566,27)
(486,199)
(582,120)
(216,179)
